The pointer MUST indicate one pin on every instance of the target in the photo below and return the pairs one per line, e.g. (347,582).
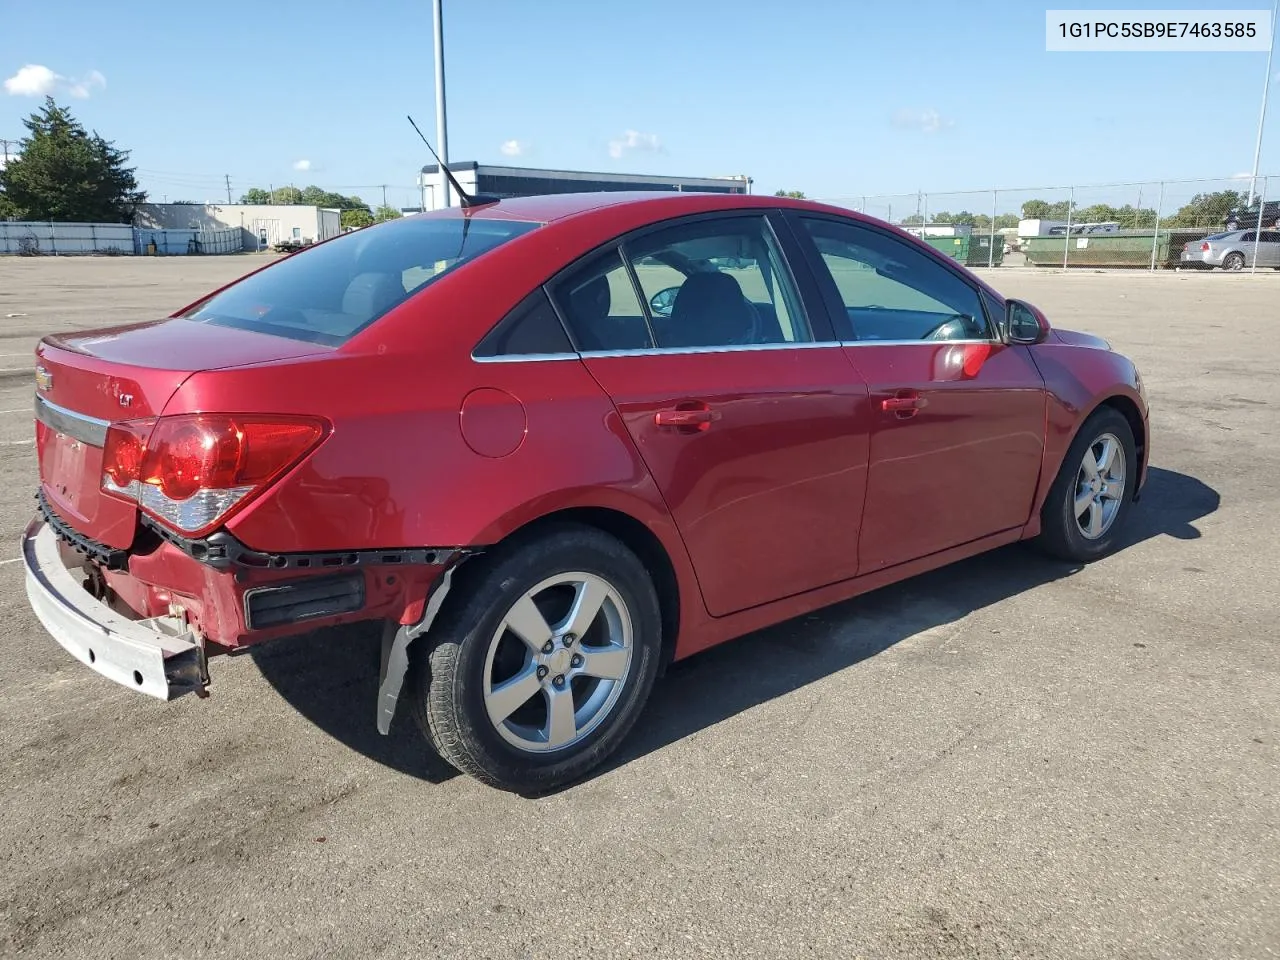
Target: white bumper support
(159,657)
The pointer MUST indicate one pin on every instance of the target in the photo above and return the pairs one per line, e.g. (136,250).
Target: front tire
(540,670)
(1087,505)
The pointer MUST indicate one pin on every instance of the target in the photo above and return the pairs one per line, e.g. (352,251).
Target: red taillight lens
(192,471)
(1204,247)
(122,454)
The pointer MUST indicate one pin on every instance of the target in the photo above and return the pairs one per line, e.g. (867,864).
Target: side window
(717,283)
(1270,236)
(1249,237)
(531,328)
(893,292)
(599,303)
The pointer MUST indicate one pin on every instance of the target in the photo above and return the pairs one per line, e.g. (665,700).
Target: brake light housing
(1204,246)
(192,472)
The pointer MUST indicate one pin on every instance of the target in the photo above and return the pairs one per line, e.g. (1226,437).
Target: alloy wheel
(1100,486)
(557,663)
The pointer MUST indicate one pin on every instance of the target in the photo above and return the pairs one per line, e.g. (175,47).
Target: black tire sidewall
(1061,528)
(581,549)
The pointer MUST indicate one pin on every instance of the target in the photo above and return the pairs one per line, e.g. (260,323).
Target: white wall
(433,195)
(62,238)
(276,221)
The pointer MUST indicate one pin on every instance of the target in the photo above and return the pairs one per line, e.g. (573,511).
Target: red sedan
(555,443)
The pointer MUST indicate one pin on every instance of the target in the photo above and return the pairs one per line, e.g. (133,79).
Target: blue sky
(836,99)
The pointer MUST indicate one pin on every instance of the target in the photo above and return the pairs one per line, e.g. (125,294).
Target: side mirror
(660,303)
(1024,323)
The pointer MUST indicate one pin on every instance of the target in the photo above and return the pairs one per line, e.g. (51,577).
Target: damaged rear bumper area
(159,656)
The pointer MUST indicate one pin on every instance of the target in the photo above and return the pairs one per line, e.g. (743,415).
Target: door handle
(684,418)
(904,406)
(901,403)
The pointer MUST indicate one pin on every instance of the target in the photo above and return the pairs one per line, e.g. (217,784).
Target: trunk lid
(86,381)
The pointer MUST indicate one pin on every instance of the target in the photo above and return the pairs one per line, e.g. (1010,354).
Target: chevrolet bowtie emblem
(44,379)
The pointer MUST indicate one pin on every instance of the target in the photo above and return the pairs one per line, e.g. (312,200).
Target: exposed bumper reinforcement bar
(159,657)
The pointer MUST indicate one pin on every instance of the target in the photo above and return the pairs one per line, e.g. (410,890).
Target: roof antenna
(464,198)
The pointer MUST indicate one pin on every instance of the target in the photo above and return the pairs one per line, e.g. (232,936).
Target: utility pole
(227,177)
(1262,119)
(442,133)
(384,195)
(6,149)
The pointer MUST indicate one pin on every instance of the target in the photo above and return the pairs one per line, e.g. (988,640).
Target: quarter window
(531,328)
(892,292)
(601,307)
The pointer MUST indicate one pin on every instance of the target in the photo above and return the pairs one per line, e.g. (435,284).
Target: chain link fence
(1144,224)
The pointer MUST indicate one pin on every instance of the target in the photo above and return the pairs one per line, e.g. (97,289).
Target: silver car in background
(1233,250)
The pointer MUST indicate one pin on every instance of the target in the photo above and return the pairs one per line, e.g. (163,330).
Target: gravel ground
(1006,758)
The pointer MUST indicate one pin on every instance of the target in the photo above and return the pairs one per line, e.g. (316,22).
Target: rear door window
(328,293)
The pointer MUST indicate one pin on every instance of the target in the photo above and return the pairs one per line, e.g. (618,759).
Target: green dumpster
(1124,248)
(973,250)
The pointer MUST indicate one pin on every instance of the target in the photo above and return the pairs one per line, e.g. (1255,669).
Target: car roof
(550,207)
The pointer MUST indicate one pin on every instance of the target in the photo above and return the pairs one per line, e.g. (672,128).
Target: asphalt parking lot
(1006,758)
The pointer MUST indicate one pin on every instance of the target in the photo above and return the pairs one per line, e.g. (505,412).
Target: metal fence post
(991,251)
(53,238)
(864,204)
(1066,245)
(1257,236)
(1155,237)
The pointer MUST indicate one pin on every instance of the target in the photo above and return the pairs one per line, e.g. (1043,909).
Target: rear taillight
(191,472)
(1204,247)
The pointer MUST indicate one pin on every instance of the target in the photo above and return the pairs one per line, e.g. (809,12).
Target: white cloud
(302,165)
(513,148)
(37,80)
(80,89)
(926,121)
(632,141)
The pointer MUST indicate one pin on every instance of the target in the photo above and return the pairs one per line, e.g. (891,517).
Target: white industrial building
(530,181)
(261,225)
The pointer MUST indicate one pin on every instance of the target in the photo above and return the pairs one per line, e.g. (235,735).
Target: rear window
(329,293)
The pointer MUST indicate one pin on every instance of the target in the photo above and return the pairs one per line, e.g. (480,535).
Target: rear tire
(532,710)
(1090,498)
(1233,262)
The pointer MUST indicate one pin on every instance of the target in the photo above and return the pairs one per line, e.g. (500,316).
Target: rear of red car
(157,442)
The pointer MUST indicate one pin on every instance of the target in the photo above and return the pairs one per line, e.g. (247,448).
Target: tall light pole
(1266,89)
(442,134)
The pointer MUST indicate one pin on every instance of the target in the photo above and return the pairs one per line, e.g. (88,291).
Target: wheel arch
(1129,409)
(636,537)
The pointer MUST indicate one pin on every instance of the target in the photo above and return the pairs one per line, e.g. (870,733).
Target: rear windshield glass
(326,294)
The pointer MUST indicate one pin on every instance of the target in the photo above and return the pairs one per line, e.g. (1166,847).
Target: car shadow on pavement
(731,678)
(331,678)
(333,682)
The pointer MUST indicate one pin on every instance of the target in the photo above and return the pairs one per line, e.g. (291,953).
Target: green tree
(1044,210)
(357,218)
(255,195)
(67,174)
(1208,209)
(793,194)
(914,220)
(286,196)
(383,214)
